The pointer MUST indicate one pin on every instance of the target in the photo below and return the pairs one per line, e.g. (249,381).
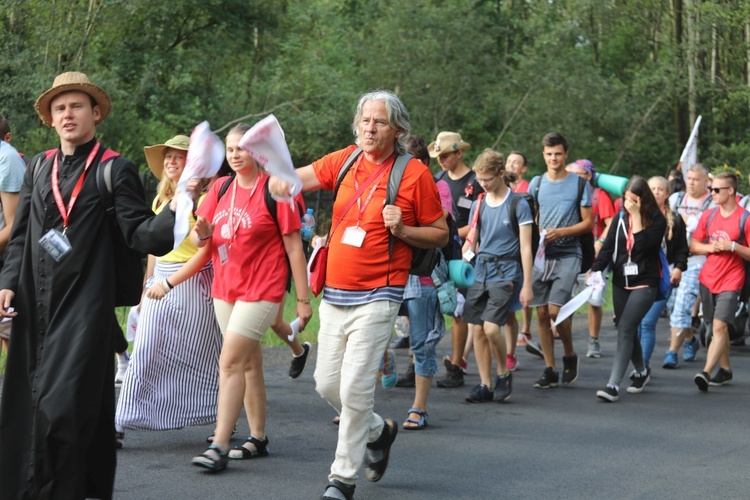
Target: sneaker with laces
(511,362)
(533,347)
(701,380)
(570,369)
(448,360)
(595,350)
(639,382)
(122,368)
(691,349)
(722,377)
(479,394)
(299,362)
(548,379)
(609,394)
(670,360)
(453,378)
(503,387)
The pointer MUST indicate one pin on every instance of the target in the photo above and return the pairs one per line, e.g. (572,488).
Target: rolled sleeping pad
(613,184)
(461,272)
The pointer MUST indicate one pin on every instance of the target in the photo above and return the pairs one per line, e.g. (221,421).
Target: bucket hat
(446,142)
(155,154)
(67,82)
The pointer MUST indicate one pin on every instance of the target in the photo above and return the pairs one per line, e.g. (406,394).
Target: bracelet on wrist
(303,301)
(205,239)
(164,286)
(170,285)
(600,241)
(733,245)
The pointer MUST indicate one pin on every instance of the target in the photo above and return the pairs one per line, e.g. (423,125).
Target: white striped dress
(173,377)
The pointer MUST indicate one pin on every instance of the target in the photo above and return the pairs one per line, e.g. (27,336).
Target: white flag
(689,155)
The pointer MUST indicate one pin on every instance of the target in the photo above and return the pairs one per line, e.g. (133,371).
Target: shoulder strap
(397,173)
(742,227)
(345,168)
(35,172)
(706,201)
(224,187)
(440,175)
(512,214)
(104,180)
(710,218)
(581,188)
(271,205)
(678,200)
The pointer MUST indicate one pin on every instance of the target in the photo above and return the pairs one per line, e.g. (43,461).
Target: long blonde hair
(668,212)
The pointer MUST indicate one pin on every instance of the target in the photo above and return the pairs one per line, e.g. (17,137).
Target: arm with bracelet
(188,270)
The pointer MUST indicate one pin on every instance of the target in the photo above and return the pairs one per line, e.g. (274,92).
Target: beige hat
(155,154)
(66,82)
(446,142)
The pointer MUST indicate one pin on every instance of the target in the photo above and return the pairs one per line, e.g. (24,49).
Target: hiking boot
(503,387)
(722,377)
(511,362)
(609,394)
(670,360)
(548,379)
(594,350)
(570,369)
(691,349)
(701,380)
(480,393)
(454,377)
(407,379)
(533,347)
(448,360)
(299,362)
(639,382)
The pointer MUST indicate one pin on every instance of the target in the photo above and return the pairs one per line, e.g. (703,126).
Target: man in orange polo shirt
(364,281)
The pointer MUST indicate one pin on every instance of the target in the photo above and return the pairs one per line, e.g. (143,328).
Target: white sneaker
(122,368)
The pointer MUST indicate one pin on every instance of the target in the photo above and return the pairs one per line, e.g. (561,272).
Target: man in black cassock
(57,407)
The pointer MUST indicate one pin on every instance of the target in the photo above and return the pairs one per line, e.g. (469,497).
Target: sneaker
(407,379)
(503,387)
(448,361)
(454,377)
(670,360)
(299,362)
(722,377)
(522,340)
(691,349)
(737,342)
(701,380)
(388,380)
(639,382)
(533,347)
(594,350)
(479,394)
(548,379)
(511,362)
(609,394)
(570,369)
(122,368)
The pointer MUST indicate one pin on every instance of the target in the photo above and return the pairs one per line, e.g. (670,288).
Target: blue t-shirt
(558,207)
(12,169)
(497,239)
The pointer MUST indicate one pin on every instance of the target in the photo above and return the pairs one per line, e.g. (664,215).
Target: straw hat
(66,82)
(446,142)
(155,154)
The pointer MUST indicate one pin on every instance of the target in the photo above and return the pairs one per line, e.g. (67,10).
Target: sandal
(420,424)
(212,459)
(210,439)
(376,458)
(345,489)
(242,453)
(336,420)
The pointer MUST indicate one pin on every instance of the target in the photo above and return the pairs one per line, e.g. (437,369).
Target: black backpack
(423,260)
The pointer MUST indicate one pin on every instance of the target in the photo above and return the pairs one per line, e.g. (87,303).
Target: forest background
(624,80)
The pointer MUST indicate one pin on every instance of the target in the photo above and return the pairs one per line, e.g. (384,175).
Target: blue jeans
(647,330)
(426,328)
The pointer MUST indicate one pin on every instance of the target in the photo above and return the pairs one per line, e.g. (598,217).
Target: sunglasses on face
(717,190)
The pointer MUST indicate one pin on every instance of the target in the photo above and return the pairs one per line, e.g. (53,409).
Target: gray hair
(699,168)
(398,116)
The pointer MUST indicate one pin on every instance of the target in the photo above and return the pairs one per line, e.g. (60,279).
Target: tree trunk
(681,132)
(691,56)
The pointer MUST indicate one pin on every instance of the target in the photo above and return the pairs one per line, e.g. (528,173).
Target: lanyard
(630,239)
(473,227)
(361,207)
(233,227)
(76,189)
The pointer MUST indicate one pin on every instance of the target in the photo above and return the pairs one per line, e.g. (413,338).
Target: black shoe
(299,362)
(480,393)
(608,394)
(454,377)
(533,347)
(346,489)
(737,342)
(400,343)
(548,379)
(639,382)
(701,380)
(570,369)
(722,377)
(503,387)
(119,436)
(407,379)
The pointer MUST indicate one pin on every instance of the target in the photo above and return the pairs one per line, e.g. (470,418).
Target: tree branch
(263,113)
(515,113)
(634,133)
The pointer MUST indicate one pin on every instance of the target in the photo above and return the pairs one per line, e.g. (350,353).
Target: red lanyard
(474,219)
(630,239)
(230,218)
(361,207)
(76,189)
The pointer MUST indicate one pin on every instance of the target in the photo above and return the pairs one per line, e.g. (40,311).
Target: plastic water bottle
(308,225)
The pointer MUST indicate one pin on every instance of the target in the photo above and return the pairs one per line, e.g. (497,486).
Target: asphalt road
(671,441)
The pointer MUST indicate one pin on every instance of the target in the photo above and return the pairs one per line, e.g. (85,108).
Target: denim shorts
(684,298)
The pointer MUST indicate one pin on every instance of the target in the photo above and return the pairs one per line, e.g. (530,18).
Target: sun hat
(446,142)
(67,82)
(155,154)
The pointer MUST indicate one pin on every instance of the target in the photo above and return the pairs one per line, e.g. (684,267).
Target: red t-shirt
(256,267)
(603,209)
(522,186)
(367,267)
(724,271)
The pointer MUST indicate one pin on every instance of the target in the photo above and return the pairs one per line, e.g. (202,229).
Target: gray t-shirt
(497,239)
(12,169)
(559,207)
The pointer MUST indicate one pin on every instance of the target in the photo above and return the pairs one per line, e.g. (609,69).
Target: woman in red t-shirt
(249,250)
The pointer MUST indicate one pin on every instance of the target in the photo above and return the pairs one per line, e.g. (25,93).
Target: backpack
(587,240)
(423,260)
(128,262)
(515,199)
(681,196)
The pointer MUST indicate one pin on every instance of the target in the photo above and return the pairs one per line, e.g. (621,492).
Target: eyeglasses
(718,189)
(486,181)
